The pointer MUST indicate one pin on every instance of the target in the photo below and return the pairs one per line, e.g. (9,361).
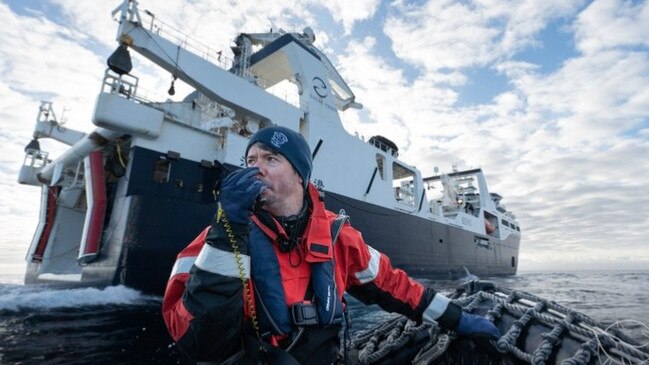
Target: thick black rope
(596,338)
(374,345)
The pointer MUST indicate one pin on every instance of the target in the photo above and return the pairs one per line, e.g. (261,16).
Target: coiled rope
(607,345)
(388,338)
(596,338)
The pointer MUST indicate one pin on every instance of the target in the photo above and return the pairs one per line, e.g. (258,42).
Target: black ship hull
(426,248)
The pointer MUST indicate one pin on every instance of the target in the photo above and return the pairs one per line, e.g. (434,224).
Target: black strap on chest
(305,313)
(336,227)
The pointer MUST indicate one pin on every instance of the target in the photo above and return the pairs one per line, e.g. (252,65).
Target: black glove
(238,193)
(475,326)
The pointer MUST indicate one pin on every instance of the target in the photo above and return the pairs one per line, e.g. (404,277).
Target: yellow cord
(237,255)
(119,154)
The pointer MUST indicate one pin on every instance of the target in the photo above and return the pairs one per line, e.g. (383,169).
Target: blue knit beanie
(289,144)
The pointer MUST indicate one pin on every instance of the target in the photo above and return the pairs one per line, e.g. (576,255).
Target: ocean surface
(118,325)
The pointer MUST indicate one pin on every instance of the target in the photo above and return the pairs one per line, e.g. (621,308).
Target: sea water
(45,325)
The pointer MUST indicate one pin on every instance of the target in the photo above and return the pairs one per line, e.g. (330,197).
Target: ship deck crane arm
(218,84)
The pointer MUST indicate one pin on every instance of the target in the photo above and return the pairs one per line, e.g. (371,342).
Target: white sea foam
(21,297)
(468,276)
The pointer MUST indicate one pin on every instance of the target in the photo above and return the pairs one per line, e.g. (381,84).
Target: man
(267,276)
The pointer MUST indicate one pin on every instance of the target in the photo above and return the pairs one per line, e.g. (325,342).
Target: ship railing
(125,86)
(167,31)
(35,158)
(34,161)
(217,58)
(195,46)
(79,178)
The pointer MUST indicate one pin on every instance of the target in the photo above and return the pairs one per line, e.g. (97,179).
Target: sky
(550,98)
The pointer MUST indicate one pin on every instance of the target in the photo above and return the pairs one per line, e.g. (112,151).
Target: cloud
(349,12)
(402,110)
(565,148)
(577,177)
(590,97)
(449,34)
(440,35)
(612,24)
(19,204)
(38,58)
(213,25)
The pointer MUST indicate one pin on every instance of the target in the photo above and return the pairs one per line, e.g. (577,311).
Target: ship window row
(510,225)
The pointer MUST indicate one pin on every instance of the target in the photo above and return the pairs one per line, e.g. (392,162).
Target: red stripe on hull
(98,181)
(52,194)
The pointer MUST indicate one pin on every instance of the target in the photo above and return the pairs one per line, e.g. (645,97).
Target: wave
(15,298)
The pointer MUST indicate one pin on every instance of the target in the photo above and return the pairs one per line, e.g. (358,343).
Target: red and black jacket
(203,305)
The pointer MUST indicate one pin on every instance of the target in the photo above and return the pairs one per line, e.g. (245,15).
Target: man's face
(278,174)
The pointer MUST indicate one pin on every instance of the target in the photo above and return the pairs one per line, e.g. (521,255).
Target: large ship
(126,197)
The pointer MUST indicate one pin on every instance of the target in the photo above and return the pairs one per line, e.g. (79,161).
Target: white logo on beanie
(278,139)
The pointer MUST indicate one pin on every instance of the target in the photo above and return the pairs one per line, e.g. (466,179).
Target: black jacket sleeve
(215,299)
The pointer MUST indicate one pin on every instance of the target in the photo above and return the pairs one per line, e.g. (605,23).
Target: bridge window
(404,184)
